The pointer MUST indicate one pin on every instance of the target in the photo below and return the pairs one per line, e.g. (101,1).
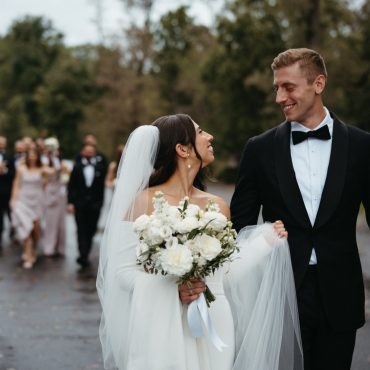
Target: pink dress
(55,208)
(29,204)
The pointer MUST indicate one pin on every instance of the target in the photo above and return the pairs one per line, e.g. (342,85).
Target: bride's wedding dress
(143,324)
(146,327)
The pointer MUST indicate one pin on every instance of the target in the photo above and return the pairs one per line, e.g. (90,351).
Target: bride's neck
(181,183)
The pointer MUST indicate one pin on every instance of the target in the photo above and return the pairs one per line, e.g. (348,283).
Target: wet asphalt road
(49,316)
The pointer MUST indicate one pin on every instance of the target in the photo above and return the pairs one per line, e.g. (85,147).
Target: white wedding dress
(144,325)
(147,326)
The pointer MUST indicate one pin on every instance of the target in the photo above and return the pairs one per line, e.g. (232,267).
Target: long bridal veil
(260,288)
(118,244)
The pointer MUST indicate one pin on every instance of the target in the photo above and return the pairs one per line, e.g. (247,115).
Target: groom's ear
(319,83)
(182,150)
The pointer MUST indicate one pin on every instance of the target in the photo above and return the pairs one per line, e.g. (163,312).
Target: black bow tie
(321,134)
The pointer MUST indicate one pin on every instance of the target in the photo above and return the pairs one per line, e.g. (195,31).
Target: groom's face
(298,98)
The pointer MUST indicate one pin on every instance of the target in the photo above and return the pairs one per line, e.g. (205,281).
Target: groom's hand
(190,293)
(280,229)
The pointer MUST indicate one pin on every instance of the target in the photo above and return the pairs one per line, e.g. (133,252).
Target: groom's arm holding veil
(245,203)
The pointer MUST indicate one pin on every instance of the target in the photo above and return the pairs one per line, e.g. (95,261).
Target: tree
(27,51)
(238,74)
(68,87)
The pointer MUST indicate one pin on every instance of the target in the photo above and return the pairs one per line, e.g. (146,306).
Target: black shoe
(83,262)
(12,234)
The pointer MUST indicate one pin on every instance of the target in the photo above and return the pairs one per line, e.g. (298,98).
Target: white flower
(207,246)
(153,236)
(215,220)
(192,210)
(200,261)
(141,248)
(176,260)
(192,245)
(165,232)
(173,214)
(141,223)
(186,225)
(212,206)
(171,242)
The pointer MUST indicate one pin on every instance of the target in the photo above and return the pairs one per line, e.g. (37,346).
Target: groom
(312,172)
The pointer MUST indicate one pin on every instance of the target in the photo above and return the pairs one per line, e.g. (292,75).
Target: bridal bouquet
(184,241)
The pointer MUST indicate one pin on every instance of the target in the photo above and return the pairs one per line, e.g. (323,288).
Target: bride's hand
(280,229)
(189,294)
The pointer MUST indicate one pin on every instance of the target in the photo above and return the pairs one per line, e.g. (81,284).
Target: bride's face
(203,143)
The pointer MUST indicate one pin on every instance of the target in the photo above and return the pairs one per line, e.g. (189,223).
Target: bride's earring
(189,165)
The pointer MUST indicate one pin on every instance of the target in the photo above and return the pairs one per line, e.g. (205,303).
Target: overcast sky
(75,18)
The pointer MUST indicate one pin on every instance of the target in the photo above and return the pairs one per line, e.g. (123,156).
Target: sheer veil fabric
(260,288)
(142,323)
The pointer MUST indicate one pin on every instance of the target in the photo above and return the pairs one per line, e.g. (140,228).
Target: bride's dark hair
(173,130)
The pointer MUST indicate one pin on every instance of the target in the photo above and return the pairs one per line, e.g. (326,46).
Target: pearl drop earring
(189,165)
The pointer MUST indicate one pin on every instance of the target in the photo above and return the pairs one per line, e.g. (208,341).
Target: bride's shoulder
(143,202)
(224,207)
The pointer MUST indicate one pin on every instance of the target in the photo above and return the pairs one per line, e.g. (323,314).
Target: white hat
(51,143)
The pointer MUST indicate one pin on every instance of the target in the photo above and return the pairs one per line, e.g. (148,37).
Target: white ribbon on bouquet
(198,317)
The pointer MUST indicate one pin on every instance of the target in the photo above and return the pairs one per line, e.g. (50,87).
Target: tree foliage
(220,74)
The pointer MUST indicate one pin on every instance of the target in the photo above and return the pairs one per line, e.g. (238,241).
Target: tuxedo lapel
(335,177)
(286,176)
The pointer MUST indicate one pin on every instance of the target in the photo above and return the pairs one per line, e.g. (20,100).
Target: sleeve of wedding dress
(260,288)
(142,317)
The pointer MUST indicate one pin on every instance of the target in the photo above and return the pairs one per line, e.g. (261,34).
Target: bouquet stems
(209,296)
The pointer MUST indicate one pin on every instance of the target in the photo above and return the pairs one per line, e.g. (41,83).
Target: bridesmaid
(55,200)
(27,204)
(110,179)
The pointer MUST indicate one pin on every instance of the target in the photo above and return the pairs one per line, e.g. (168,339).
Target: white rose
(176,260)
(141,223)
(186,225)
(215,220)
(207,246)
(153,235)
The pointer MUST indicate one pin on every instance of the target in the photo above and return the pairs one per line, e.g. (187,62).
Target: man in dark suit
(7,172)
(85,198)
(312,172)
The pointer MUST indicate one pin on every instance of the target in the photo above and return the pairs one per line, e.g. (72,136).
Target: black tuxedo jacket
(6,179)
(82,196)
(267,178)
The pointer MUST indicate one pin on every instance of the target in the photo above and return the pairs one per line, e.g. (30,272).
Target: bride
(144,317)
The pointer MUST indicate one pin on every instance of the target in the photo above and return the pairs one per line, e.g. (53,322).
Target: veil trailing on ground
(133,175)
(260,289)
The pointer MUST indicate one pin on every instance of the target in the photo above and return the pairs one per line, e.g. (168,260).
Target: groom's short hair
(310,62)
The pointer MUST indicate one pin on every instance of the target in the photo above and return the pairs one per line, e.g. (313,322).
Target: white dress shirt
(88,170)
(310,162)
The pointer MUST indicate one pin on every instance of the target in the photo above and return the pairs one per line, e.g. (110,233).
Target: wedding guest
(27,205)
(90,139)
(55,200)
(28,142)
(85,198)
(113,168)
(19,152)
(7,172)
